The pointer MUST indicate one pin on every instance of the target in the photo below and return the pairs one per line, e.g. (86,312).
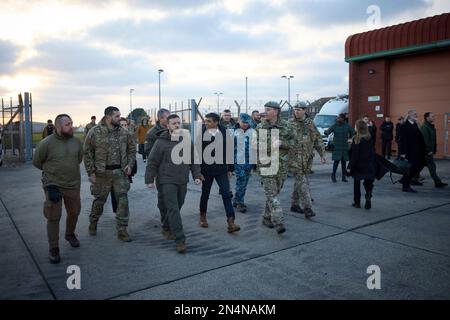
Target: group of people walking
(109,154)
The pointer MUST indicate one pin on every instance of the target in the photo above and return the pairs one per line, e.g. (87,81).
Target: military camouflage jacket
(96,148)
(307,139)
(286,136)
(88,127)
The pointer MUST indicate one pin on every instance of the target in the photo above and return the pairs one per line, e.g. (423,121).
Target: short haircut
(93,117)
(49,121)
(110,110)
(124,119)
(213,116)
(365,116)
(341,115)
(426,115)
(227,111)
(161,113)
(59,118)
(173,116)
(255,111)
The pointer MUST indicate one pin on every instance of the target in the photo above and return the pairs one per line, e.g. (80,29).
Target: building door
(422,82)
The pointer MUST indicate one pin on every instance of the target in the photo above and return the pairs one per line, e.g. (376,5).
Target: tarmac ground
(405,235)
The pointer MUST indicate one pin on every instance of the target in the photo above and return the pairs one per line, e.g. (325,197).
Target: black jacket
(397,132)
(373,133)
(387,130)
(362,160)
(412,143)
(216,168)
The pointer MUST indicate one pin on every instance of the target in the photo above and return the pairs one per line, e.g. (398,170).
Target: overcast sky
(78,57)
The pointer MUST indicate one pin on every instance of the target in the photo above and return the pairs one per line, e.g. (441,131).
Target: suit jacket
(412,143)
(217,168)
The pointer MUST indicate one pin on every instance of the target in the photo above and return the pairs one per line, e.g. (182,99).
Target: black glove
(53,194)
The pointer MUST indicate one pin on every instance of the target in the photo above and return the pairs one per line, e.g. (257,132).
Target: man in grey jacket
(173,178)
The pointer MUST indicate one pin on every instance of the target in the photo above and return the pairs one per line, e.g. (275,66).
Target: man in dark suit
(216,167)
(412,148)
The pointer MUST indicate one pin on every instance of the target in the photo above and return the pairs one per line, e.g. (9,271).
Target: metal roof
(407,37)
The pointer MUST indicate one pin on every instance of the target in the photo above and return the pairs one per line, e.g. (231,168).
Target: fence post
(28,141)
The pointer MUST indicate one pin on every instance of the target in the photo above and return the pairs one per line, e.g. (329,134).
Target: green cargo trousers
(53,213)
(117,182)
(174,195)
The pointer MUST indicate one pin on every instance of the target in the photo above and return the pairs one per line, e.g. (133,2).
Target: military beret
(272,104)
(300,105)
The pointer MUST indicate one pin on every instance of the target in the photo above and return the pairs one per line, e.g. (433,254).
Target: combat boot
(280,228)
(268,223)
(356,204)
(93,228)
(123,235)
(72,240)
(181,247)
(54,255)
(241,208)
(297,208)
(168,235)
(232,227)
(309,213)
(368,204)
(203,222)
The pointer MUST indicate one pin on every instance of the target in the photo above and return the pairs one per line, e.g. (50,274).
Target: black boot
(356,204)
(368,204)
(297,208)
(333,177)
(54,256)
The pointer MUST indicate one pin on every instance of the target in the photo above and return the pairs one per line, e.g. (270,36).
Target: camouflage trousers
(301,195)
(111,181)
(243,174)
(272,186)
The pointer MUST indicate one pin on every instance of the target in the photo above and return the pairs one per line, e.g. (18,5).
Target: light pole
(297,97)
(159,82)
(246,95)
(289,92)
(131,104)
(218,95)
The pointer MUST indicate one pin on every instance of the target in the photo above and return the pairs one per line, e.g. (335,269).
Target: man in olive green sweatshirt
(59,156)
(429,135)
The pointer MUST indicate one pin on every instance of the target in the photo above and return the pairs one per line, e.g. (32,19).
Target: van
(328,114)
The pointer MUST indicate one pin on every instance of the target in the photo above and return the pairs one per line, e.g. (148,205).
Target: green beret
(300,105)
(272,104)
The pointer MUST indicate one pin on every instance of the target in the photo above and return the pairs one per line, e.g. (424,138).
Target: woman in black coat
(362,164)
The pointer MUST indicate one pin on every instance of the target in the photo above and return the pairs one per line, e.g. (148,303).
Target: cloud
(77,63)
(202,32)
(9,53)
(330,12)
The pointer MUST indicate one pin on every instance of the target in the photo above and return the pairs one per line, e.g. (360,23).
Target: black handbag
(402,166)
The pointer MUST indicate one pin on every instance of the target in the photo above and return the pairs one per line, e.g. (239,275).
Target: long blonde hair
(362,131)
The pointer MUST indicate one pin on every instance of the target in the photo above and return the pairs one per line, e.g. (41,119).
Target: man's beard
(67,134)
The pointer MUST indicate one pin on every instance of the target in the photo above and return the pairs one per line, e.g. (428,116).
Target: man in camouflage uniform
(109,156)
(90,125)
(301,156)
(272,178)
